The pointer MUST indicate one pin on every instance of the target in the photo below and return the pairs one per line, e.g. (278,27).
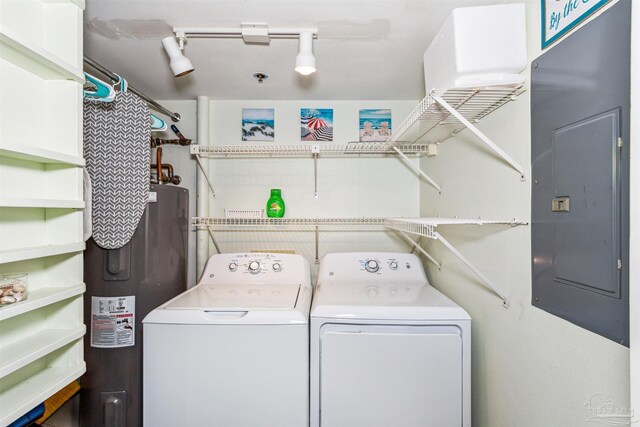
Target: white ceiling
(365,49)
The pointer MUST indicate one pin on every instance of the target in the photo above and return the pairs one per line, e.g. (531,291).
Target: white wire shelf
(281,223)
(418,226)
(460,108)
(473,104)
(305,149)
(423,227)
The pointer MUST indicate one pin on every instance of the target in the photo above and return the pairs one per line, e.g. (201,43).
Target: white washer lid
(237,297)
(410,301)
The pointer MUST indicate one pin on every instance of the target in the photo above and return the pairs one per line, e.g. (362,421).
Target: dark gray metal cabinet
(580,167)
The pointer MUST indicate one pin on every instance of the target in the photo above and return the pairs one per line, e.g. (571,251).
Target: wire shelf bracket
(499,151)
(416,168)
(458,107)
(206,176)
(427,227)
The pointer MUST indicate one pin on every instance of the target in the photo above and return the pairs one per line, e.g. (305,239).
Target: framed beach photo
(316,124)
(375,125)
(258,124)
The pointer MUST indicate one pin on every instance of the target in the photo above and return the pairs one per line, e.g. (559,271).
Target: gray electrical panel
(580,170)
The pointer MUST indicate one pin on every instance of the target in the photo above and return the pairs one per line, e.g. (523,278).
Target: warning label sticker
(113,321)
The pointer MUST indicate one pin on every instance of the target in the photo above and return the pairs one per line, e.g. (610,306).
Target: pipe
(159,165)
(174,116)
(202,189)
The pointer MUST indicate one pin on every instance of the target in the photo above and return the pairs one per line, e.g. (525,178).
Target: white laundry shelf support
(432,119)
(473,268)
(417,226)
(206,176)
(427,227)
(416,168)
(499,151)
(416,245)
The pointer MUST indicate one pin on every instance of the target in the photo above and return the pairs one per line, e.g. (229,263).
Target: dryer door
(391,375)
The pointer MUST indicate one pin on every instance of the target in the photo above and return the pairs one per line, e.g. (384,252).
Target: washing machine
(233,350)
(387,349)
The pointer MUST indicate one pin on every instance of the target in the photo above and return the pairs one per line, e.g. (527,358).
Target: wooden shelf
(26,395)
(35,59)
(39,298)
(35,346)
(38,155)
(23,202)
(13,255)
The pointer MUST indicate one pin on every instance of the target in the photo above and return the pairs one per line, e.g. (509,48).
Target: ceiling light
(305,61)
(251,33)
(180,64)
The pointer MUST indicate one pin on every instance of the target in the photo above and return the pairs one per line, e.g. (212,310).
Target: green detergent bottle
(275,205)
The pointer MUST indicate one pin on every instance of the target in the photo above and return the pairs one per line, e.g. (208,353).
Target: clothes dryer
(233,350)
(387,349)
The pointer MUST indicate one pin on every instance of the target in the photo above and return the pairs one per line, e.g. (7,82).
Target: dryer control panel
(255,268)
(371,267)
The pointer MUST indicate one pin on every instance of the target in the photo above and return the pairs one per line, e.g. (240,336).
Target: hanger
(104,92)
(157,124)
(122,82)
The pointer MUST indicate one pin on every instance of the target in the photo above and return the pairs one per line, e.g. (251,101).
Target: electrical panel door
(580,169)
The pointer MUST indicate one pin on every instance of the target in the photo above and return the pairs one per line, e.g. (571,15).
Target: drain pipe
(202,189)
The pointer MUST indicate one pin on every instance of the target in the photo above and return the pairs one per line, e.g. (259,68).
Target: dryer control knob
(276,267)
(233,266)
(254,267)
(371,266)
(393,265)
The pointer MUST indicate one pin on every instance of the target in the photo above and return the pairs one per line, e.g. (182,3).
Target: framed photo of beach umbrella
(375,125)
(316,124)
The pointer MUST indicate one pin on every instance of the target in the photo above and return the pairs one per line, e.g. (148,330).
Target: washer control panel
(252,267)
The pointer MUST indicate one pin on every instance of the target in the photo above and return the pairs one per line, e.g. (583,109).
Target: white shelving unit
(443,114)
(41,199)
(439,116)
(422,227)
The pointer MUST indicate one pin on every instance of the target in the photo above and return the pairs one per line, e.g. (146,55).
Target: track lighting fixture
(305,61)
(251,33)
(180,64)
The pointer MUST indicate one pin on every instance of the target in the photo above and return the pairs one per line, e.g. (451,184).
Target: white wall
(530,368)
(183,164)
(347,187)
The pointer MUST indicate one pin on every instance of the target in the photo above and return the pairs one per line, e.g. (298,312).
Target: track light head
(305,61)
(180,64)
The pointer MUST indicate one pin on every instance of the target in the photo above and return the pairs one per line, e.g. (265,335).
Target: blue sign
(561,16)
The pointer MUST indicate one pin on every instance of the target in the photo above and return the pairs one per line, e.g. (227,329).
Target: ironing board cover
(116,150)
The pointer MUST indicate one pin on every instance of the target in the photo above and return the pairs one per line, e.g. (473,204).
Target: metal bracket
(419,248)
(482,136)
(206,176)
(416,168)
(315,150)
(473,268)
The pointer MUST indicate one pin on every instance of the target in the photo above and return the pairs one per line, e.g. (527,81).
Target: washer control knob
(233,266)
(371,266)
(254,267)
(372,291)
(276,266)
(393,265)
